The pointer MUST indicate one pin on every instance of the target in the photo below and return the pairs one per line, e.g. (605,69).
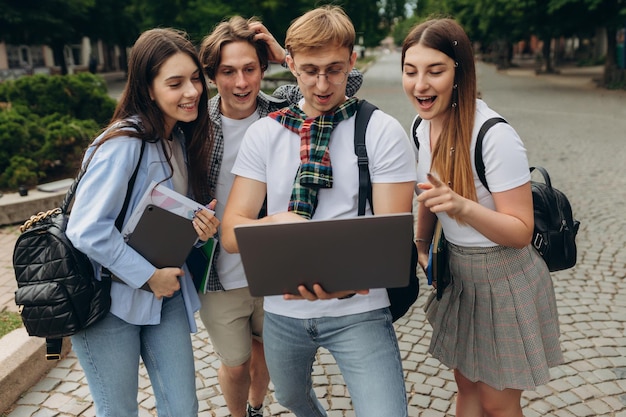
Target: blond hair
(324,27)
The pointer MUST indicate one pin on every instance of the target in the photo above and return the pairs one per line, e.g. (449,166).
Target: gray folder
(162,237)
(340,254)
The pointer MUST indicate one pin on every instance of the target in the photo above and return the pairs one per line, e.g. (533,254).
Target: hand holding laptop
(164,282)
(318,293)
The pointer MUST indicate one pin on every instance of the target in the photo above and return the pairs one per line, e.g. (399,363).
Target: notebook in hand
(340,254)
(162,237)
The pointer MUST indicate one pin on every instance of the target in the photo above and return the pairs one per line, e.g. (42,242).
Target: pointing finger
(434,180)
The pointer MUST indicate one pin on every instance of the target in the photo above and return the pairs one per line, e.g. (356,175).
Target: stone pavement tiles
(592,382)
(8,235)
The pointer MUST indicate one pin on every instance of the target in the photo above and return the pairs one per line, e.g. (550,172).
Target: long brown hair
(451,158)
(149,53)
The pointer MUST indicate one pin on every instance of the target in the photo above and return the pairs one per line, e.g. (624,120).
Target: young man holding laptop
(235,56)
(302,158)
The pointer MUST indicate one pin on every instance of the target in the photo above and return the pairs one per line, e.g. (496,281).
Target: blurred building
(18,60)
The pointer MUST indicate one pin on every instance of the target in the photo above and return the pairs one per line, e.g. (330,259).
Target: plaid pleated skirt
(497,321)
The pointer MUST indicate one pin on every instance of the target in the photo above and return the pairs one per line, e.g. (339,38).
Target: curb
(22,363)
(17,209)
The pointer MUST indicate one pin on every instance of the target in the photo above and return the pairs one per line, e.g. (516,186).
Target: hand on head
(276,51)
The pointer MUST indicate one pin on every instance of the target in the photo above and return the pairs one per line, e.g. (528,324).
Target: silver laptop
(339,254)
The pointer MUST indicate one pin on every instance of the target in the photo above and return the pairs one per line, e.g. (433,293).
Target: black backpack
(555,227)
(402,298)
(57,292)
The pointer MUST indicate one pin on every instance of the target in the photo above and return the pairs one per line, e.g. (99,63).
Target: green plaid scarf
(315,171)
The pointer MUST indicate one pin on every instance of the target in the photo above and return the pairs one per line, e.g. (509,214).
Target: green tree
(418,11)
(55,23)
(113,22)
(196,17)
(368,22)
(372,19)
(499,23)
(493,24)
(592,14)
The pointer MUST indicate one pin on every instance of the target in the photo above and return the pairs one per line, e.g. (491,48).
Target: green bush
(13,131)
(83,96)
(46,122)
(21,133)
(21,171)
(65,141)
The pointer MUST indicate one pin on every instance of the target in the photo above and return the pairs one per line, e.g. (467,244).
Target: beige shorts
(232,318)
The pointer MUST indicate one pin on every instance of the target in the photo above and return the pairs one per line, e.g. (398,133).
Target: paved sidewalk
(8,235)
(591,297)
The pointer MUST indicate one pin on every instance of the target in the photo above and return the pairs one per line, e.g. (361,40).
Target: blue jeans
(109,353)
(365,348)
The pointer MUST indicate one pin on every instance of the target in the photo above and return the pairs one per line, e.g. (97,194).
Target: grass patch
(9,321)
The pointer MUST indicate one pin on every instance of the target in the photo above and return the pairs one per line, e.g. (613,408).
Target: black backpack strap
(478,152)
(53,348)
(363,114)
(131,183)
(120,217)
(414,125)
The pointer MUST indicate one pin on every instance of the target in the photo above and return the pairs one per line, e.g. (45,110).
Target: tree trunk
(546,55)
(611,48)
(59,56)
(610,61)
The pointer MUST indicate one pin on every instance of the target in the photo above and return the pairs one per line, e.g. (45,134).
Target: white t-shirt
(506,167)
(179,167)
(270,153)
(229,267)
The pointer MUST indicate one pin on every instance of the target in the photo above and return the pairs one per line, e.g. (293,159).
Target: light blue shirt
(91,228)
